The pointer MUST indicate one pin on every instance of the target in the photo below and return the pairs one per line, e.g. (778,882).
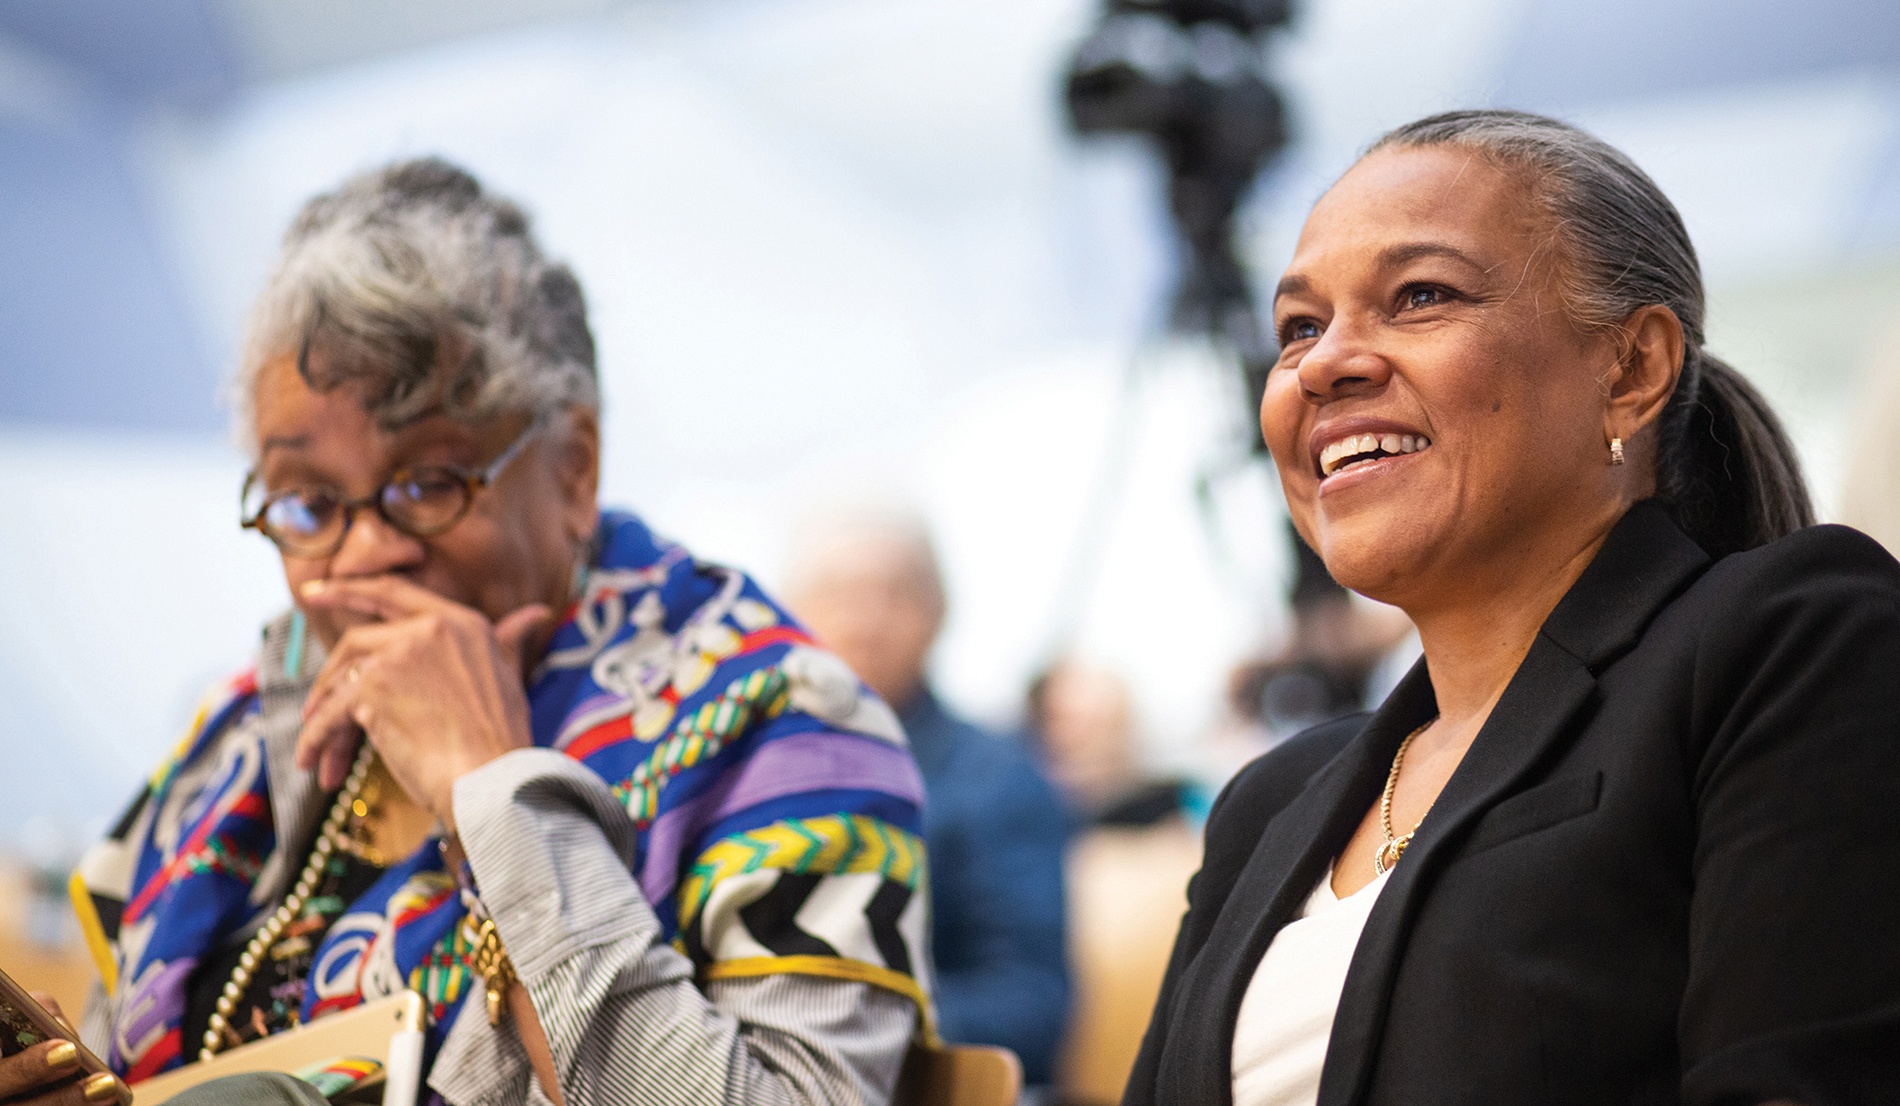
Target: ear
(1639,385)
(579,473)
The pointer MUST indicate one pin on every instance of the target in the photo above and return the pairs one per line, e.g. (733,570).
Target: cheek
(919,629)
(1281,408)
(510,569)
(1284,423)
(297,573)
(1530,429)
(1283,417)
(514,552)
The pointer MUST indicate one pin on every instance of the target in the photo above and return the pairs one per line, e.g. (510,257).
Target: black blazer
(1667,870)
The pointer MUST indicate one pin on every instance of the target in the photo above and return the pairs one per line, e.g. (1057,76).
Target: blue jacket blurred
(996,832)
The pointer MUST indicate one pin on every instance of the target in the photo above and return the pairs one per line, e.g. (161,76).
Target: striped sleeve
(626,1021)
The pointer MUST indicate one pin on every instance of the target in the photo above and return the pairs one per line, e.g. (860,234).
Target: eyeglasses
(421,501)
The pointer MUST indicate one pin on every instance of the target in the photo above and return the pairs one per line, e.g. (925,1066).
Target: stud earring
(1616,451)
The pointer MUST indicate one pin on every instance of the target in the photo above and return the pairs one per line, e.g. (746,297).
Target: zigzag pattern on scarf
(758,695)
(831,844)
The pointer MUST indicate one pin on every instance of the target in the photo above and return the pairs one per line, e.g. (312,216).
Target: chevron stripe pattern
(758,695)
(831,844)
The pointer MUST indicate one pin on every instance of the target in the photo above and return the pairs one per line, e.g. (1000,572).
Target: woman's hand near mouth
(437,688)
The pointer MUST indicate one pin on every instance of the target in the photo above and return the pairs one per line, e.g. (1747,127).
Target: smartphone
(25,1023)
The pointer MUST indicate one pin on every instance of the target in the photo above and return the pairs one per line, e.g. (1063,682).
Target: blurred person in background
(595,800)
(1081,718)
(1626,833)
(1135,845)
(1343,655)
(867,583)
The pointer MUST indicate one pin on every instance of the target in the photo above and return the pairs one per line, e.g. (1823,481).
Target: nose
(1342,363)
(372,547)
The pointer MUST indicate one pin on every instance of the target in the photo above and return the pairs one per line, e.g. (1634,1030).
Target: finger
(515,627)
(329,754)
(52,1007)
(347,661)
(46,1062)
(329,737)
(334,767)
(384,597)
(319,726)
(98,1089)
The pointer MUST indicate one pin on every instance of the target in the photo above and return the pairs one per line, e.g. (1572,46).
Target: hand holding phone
(42,1062)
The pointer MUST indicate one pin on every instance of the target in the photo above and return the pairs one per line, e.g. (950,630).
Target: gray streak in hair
(1725,468)
(413,283)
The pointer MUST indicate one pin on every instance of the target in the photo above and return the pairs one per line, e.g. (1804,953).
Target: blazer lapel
(1293,852)
(1527,722)
(1644,563)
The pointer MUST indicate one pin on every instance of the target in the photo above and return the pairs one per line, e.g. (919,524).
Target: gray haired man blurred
(867,584)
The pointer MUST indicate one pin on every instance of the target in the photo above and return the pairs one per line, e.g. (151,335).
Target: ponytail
(1725,468)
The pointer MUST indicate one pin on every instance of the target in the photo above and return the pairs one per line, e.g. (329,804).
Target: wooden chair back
(960,1075)
(1127,891)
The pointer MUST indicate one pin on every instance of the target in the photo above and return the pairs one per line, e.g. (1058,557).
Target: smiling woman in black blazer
(1628,832)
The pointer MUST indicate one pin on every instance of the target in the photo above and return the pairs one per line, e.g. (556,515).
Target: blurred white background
(831,247)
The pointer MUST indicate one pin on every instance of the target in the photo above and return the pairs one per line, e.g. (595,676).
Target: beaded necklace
(331,838)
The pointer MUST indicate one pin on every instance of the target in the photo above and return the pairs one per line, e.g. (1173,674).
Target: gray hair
(431,294)
(835,529)
(1724,465)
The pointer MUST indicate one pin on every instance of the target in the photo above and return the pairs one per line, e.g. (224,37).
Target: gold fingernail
(103,1087)
(62,1055)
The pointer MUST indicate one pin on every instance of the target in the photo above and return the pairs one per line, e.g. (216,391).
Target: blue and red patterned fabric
(776,804)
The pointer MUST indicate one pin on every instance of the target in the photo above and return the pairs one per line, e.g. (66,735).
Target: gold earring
(1616,451)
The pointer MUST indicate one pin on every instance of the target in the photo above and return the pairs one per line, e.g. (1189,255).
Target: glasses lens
(301,520)
(425,500)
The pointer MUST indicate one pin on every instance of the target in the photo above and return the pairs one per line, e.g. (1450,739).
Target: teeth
(1358,444)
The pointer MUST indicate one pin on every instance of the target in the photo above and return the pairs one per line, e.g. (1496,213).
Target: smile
(1357,448)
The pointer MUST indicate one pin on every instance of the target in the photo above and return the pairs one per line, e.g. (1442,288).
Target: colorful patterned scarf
(754,766)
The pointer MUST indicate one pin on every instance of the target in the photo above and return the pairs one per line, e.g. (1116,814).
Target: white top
(1286,1017)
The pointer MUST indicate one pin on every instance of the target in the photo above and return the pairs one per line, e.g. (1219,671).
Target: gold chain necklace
(218,1033)
(1388,855)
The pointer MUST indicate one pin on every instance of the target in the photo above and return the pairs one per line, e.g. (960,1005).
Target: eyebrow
(1389,258)
(1393,256)
(282,441)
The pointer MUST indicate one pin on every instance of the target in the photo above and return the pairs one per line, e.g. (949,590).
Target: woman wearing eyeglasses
(631,835)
